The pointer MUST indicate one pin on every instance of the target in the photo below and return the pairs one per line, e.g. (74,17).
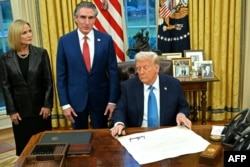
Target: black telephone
(237,133)
(243,143)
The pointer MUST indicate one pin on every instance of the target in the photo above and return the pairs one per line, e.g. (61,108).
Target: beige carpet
(8,158)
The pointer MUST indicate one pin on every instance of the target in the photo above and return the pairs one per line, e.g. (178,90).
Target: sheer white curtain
(26,10)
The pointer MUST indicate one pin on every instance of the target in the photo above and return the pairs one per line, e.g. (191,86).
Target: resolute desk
(108,152)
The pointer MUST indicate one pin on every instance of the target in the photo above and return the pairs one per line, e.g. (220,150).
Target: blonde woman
(26,80)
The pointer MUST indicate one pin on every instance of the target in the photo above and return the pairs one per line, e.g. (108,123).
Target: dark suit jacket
(27,98)
(75,85)
(130,108)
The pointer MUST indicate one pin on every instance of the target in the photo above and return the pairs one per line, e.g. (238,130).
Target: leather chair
(127,69)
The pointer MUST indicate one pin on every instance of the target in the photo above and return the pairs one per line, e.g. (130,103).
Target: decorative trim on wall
(5,122)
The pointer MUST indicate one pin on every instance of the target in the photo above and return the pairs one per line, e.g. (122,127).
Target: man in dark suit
(87,90)
(132,107)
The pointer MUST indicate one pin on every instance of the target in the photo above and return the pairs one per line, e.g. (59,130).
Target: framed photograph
(207,69)
(197,67)
(196,56)
(181,67)
(170,56)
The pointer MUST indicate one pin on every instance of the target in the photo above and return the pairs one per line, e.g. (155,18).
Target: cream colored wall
(246,51)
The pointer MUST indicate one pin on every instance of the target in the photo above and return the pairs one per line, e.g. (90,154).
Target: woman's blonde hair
(14,33)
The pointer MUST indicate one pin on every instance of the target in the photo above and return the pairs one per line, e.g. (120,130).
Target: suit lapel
(163,97)
(97,46)
(75,43)
(139,93)
(74,47)
(32,62)
(12,56)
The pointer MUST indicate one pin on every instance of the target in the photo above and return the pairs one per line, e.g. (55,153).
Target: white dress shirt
(91,41)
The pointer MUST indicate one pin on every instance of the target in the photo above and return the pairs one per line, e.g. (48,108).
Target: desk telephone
(237,132)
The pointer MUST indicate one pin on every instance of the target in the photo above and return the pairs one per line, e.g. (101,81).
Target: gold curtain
(215,27)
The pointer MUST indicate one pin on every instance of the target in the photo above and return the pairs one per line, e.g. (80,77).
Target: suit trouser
(97,119)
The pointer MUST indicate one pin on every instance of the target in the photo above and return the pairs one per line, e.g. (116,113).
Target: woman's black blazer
(26,97)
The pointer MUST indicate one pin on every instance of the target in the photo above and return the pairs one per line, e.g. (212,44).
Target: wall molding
(5,122)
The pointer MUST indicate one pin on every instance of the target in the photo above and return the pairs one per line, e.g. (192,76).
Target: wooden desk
(194,85)
(106,151)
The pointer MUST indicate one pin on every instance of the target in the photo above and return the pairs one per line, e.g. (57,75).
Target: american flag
(164,11)
(109,20)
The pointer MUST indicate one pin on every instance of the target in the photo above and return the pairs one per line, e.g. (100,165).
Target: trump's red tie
(86,55)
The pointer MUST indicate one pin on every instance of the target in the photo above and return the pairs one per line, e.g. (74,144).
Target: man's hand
(182,120)
(15,118)
(117,131)
(69,113)
(109,110)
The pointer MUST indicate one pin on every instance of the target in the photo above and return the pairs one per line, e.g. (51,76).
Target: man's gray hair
(85,4)
(145,55)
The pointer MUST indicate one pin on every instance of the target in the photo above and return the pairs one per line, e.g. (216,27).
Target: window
(5,21)
(140,17)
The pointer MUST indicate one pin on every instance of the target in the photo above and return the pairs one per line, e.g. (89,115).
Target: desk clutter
(46,155)
(53,147)
(211,155)
(237,132)
(107,151)
(49,149)
(79,142)
(235,135)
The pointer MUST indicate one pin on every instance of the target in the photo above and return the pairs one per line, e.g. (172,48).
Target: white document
(217,130)
(163,143)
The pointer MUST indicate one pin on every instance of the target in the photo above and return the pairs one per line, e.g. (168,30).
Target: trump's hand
(117,131)
(182,120)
